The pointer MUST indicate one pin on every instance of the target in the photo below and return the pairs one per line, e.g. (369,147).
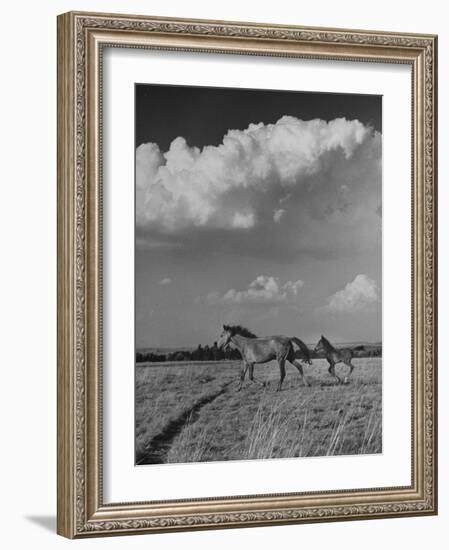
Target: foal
(334,356)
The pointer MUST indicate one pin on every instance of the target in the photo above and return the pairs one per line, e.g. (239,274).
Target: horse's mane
(238,329)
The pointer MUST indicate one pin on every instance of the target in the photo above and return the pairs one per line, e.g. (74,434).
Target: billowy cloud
(263,290)
(269,189)
(360,294)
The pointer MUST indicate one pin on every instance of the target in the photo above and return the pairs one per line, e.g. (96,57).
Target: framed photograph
(246,274)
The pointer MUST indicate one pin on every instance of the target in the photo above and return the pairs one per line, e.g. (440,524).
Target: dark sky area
(203,115)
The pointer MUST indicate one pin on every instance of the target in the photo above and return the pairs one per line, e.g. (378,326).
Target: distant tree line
(367,351)
(214,353)
(200,353)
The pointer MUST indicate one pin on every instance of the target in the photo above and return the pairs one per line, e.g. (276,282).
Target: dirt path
(160,445)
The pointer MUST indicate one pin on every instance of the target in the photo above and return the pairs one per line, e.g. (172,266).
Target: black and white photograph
(258,274)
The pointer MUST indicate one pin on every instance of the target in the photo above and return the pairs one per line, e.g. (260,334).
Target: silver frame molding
(81,37)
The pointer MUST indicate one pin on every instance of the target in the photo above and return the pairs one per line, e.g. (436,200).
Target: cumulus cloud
(263,290)
(231,186)
(165,281)
(360,294)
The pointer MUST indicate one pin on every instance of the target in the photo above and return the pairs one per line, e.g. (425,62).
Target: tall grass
(271,430)
(325,419)
(190,446)
(166,393)
(277,434)
(372,440)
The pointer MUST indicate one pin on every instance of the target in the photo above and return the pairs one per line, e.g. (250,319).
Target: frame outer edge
(66,340)
(76,425)
(434,136)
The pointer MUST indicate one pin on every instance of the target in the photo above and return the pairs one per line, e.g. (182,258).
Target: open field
(193,412)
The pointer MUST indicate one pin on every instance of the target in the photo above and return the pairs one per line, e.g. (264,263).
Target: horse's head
(319,348)
(225,337)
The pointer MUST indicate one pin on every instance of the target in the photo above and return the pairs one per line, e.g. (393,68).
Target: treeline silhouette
(201,353)
(367,351)
(214,353)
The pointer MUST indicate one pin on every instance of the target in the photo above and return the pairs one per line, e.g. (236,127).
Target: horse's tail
(305,350)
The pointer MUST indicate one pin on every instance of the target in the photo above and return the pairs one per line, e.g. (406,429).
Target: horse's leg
(351,368)
(251,375)
(298,365)
(331,370)
(251,372)
(281,362)
(243,374)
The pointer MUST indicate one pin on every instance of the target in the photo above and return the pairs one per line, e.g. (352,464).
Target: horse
(334,356)
(256,350)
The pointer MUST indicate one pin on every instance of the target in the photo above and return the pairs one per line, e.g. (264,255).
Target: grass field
(194,413)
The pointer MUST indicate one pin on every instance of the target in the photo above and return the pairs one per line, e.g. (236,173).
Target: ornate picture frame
(82,39)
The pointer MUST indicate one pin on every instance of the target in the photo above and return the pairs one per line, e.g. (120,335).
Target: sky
(257,207)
